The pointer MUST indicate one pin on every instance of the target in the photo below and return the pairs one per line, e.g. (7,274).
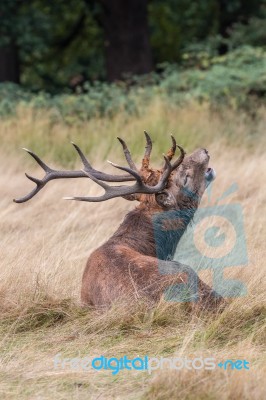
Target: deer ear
(165,199)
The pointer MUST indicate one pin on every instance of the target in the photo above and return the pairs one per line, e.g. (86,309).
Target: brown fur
(127,265)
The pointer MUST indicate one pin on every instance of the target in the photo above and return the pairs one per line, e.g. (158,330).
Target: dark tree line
(52,44)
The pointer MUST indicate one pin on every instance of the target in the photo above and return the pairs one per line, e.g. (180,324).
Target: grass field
(45,243)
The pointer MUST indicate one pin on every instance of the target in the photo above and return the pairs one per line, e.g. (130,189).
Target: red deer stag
(138,259)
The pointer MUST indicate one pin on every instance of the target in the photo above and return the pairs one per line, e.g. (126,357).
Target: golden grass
(45,244)
(195,125)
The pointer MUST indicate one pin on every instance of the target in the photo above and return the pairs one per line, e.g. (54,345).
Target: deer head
(187,183)
(177,184)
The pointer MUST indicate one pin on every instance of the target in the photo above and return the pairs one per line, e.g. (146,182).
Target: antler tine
(39,186)
(39,161)
(171,153)
(127,154)
(148,149)
(51,174)
(98,177)
(110,191)
(129,170)
(172,150)
(101,175)
(82,157)
(167,170)
(39,182)
(119,191)
(180,158)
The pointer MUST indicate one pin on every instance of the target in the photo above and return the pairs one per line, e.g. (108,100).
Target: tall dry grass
(45,244)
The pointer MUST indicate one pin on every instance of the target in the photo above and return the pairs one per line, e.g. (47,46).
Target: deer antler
(118,191)
(51,174)
(171,152)
(148,149)
(98,176)
(127,154)
(139,187)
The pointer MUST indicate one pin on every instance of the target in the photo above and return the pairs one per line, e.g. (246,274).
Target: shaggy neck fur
(153,232)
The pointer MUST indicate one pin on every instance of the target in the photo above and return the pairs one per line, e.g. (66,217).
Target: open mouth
(210,175)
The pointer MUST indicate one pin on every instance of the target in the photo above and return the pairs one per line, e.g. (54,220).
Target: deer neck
(154,233)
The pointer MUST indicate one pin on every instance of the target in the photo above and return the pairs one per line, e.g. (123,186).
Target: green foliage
(56,40)
(59,42)
(252,32)
(176,24)
(235,79)
(230,78)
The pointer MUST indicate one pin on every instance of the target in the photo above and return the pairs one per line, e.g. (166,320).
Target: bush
(234,79)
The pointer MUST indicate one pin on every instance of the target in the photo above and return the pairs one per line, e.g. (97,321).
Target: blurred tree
(9,54)
(176,24)
(62,44)
(233,12)
(49,45)
(9,63)
(126,34)
(58,45)
(252,32)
